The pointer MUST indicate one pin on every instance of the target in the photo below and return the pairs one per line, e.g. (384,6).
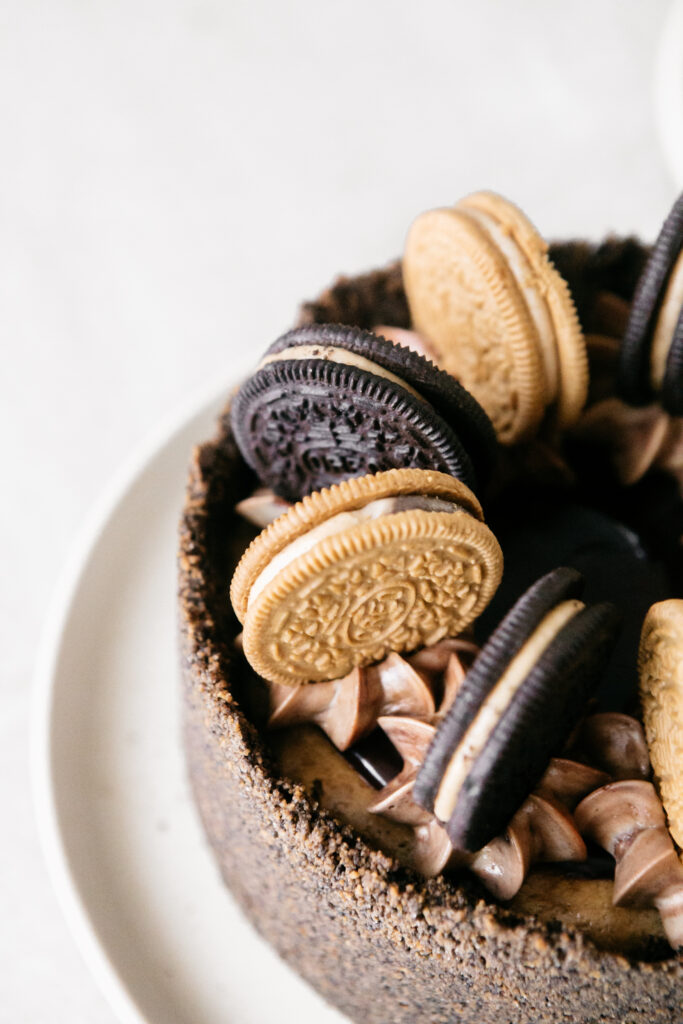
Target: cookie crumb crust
(375,940)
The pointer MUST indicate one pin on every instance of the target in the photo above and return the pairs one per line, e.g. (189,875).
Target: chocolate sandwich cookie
(487,299)
(515,709)
(651,356)
(328,403)
(612,559)
(389,562)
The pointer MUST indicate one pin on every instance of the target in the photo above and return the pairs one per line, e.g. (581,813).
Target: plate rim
(42,706)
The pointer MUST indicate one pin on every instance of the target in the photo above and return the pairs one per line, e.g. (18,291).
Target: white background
(174,178)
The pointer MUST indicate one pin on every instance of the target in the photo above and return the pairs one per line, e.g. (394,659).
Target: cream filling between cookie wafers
(527,282)
(495,704)
(665,327)
(333,354)
(344,521)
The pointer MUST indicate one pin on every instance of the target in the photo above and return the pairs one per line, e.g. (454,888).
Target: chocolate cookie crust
(375,940)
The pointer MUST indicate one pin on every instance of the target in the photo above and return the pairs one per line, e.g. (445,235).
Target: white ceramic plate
(668,88)
(133,873)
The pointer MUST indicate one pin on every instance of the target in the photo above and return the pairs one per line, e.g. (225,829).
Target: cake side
(374,939)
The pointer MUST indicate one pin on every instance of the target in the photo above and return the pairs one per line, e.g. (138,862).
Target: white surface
(669,91)
(174,177)
(115,812)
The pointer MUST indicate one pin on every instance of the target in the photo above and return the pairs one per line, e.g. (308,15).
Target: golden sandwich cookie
(388,562)
(660,666)
(497,315)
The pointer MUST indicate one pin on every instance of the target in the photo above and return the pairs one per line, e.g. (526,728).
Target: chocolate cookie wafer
(328,403)
(516,707)
(651,356)
(389,562)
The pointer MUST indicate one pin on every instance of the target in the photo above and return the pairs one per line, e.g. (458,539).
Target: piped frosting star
(613,742)
(407,697)
(541,830)
(412,737)
(627,819)
(639,439)
(262,507)
(349,708)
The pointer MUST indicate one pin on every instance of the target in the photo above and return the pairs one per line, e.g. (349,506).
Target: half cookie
(651,355)
(328,403)
(660,667)
(389,562)
(515,709)
(499,317)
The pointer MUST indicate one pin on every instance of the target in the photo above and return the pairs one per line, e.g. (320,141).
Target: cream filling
(338,355)
(666,324)
(524,275)
(495,704)
(339,524)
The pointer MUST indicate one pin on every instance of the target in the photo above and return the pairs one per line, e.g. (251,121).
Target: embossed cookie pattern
(317,439)
(464,301)
(660,663)
(354,613)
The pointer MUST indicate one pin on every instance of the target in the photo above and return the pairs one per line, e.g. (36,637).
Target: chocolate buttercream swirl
(408,696)
(608,745)
(627,819)
(262,507)
(615,743)
(638,439)
(543,830)
(349,708)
